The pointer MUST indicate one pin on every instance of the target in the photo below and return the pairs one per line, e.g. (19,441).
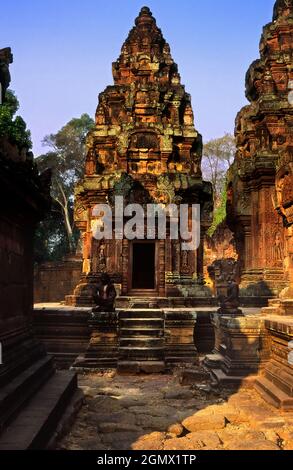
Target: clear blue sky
(63,51)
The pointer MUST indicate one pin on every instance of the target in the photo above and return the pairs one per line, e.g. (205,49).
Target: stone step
(146,314)
(273,395)
(100,353)
(137,332)
(282,379)
(94,363)
(177,360)
(193,375)
(140,367)
(14,395)
(214,361)
(141,341)
(142,322)
(37,421)
(236,381)
(270,310)
(64,360)
(141,353)
(164,302)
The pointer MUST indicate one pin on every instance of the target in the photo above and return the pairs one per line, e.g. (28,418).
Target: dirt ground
(155,412)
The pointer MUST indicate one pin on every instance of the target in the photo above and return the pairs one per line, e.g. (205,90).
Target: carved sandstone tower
(144,147)
(264,132)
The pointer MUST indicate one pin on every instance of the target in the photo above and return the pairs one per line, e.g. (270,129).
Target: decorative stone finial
(145,11)
(145,16)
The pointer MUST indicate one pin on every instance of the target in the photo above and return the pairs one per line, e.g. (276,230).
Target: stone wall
(64,332)
(54,280)
(276,381)
(27,375)
(23,201)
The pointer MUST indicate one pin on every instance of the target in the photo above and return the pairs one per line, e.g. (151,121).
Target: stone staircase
(141,341)
(275,386)
(135,302)
(33,405)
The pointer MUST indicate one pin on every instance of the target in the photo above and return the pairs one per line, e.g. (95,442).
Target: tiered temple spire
(144,146)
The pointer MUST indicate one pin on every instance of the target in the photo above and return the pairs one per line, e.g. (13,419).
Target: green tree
(13,127)
(66,159)
(219,213)
(218,155)
(51,242)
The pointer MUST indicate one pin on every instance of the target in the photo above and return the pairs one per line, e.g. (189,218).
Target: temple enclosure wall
(54,280)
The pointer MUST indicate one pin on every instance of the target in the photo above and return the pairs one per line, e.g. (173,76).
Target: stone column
(102,351)
(161,279)
(125,266)
(179,337)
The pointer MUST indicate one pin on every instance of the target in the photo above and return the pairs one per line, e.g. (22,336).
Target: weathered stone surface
(286,436)
(105,405)
(249,422)
(230,413)
(63,330)
(208,439)
(276,382)
(263,134)
(118,417)
(181,443)
(91,444)
(153,441)
(132,402)
(234,437)
(54,280)
(253,445)
(259,412)
(204,421)
(244,347)
(176,429)
(157,423)
(120,440)
(112,427)
(156,410)
(178,394)
(191,376)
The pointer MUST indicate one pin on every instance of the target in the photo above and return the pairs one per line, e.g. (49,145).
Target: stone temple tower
(145,148)
(263,137)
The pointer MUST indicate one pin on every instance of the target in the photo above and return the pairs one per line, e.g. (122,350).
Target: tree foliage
(218,155)
(66,159)
(219,213)
(51,242)
(11,126)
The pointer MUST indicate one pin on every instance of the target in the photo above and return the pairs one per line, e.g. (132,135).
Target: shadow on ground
(157,413)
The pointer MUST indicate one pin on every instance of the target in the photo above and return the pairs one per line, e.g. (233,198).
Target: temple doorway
(143,266)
